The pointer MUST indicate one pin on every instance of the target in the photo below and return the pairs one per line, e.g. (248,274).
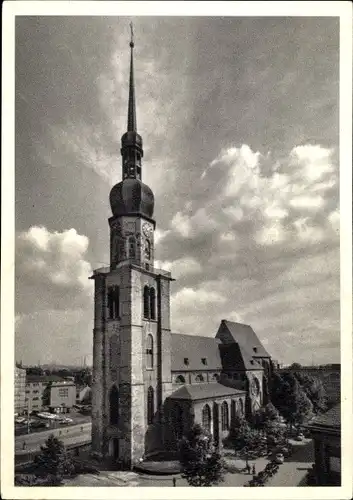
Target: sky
(239,118)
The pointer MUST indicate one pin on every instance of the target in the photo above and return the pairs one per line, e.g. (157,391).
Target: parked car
(279,458)
(20,420)
(38,424)
(299,437)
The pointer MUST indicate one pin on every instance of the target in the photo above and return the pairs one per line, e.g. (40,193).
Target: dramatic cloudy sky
(239,118)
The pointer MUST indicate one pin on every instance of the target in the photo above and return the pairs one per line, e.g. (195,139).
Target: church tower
(131,337)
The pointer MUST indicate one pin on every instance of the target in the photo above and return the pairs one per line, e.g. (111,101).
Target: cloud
(190,304)
(52,268)
(181,267)
(70,336)
(276,195)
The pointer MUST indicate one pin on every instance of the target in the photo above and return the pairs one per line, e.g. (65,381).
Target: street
(69,435)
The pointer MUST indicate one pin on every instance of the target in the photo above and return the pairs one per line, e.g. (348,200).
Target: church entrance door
(114,448)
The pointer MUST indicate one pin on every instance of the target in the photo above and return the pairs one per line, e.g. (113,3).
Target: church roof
(190,352)
(204,391)
(235,357)
(245,336)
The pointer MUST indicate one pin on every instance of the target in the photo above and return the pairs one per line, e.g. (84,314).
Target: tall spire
(131,141)
(131,119)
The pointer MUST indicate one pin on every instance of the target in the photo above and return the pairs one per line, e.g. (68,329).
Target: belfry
(132,318)
(149,385)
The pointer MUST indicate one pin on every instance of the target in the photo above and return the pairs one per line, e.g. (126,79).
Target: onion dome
(131,196)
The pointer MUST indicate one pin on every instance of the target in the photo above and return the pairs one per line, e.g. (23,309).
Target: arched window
(215,377)
(233,412)
(113,304)
(116,300)
(131,247)
(150,405)
(149,351)
(152,303)
(180,379)
(110,302)
(241,407)
(206,418)
(177,417)
(199,378)
(114,406)
(147,250)
(146,302)
(225,416)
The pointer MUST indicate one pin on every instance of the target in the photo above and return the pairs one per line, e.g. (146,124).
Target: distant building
(50,391)
(35,386)
(326,433)
(60,396)
(20,387)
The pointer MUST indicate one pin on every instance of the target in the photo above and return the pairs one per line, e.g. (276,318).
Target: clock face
(147,229)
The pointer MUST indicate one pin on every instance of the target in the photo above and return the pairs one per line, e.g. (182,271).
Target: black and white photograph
(175,276)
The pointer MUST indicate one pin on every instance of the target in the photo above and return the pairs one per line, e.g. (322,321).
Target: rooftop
(194,352)
(45,379)
(329,422)
(204,391)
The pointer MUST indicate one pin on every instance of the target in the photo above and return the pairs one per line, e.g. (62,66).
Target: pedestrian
(24,445)
(248,468)
(253,470)
(174,481)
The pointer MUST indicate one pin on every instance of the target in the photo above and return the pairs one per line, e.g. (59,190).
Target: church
(151,385)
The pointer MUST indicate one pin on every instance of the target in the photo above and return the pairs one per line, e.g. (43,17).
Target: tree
(295,366)
(201,464)
(54,461)
(290,399)
(265,415)
(314,390)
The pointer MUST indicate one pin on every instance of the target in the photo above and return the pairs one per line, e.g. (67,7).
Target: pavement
(291,473)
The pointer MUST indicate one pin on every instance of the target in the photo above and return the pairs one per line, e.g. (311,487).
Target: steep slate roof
(235,358)
(245,336)
(204,391)
(194,348)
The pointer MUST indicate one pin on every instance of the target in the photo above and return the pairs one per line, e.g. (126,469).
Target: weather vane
(132,35)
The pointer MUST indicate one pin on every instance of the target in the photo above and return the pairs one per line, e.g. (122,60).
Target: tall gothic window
(150,405)
(114,406)
(241,407)
(178,421)
(146,302)
(206,418)
(153,303)
(233,412)
(131,247)
(149,351)
(225,416)
(110,303)
(113,302)
(147,250)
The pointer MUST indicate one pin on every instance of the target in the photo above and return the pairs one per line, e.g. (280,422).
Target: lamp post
(28,418)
